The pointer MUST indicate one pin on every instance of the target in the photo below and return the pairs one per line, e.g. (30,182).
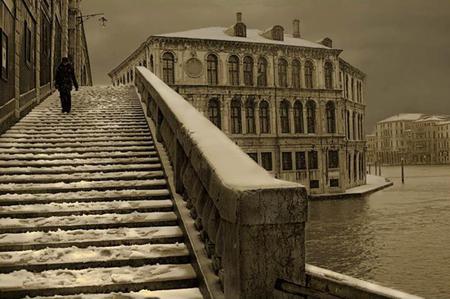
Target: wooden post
(403,171)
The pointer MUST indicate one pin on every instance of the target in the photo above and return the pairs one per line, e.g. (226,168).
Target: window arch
(250,115)
(282,72)
(284,116)
(212,65)
(309,70)
(328,75)
(296,73)
(298,117)
(248,71)
(236,120)
(262,72)
(168,68)
(311,116)
(214,112)
(233,70)
(264,117)
(331,117)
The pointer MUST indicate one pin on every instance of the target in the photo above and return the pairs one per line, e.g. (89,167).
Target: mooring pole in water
(403,171)
(379,168)
(369,168)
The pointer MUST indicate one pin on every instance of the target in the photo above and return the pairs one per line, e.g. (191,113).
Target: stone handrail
(252,225)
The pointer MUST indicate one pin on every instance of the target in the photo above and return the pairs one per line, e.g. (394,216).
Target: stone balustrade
(252,225)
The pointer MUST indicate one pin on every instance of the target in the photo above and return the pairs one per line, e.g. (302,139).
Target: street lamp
(102,19)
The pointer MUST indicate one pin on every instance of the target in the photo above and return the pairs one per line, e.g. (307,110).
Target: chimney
(239,17)
(296,28)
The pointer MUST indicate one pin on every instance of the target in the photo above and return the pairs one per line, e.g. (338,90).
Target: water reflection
(399,237)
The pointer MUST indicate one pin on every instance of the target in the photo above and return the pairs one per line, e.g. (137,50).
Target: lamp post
(102,19)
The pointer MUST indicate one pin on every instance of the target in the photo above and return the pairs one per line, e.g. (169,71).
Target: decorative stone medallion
(193,68)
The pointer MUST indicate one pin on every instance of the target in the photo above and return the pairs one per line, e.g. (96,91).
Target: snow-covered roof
(432,118)
(403,117)
(253,36)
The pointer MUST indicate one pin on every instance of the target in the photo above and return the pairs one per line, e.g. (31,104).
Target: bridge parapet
(252,225)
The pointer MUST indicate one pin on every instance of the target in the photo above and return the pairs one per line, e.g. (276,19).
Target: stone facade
(416,138)
(294,106)
(34,38)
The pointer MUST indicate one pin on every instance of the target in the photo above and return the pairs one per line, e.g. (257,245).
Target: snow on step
(75,144)
(84,196)
(111,154)
(91,161)
(81,168)
(82,185)
(75,150)
(134,219)
(77,208)
(78,258)
(193,293)
(73,139)
(91,237)
(89,280)
(76,135)
(81,176)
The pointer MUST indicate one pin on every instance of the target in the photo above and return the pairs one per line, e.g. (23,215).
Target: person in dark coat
(64,82)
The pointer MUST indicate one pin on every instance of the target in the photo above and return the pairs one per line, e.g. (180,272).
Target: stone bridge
(137,195)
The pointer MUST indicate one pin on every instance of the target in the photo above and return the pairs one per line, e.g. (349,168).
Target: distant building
(293,105)
(414,137)
(34,36)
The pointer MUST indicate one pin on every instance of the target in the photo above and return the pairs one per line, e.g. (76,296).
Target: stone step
(84,208)
(64,139)
(84,196)
(75,135)
(69,282)
(82,258)
(75,149)
(193,293)
(81,168)
(63,131)
(81,176)
(75,144)
(74,162)
(74,222)
(83,238)
(63,156)
(82,186)
(80,126)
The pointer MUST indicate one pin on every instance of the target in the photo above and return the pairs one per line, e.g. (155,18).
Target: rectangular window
(266,161)
(314,184)
(254,156)
(334,183)
(286,160)
(313,162)
(333,159)
(300,160)
(4,55)
(28,43)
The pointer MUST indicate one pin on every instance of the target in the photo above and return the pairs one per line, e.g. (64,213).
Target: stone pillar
(225,114)
(37,53)
(302,74)
(18,47)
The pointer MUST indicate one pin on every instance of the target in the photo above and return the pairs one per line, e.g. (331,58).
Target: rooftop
(403,117)
(253,36)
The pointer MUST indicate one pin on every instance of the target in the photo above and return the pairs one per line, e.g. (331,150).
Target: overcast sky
(402,45)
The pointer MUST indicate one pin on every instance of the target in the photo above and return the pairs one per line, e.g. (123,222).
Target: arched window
(282,72)
(284,116)
(212,63)
(236,121)
(151,63)
(264,117)
(298,117)
(214,112)
(233,70)
(295,73)
(311,116)
(331,117)
(354,126)
(328,75)
(168,68)
(262,72)
(250,115)
(309,69)
(248,71)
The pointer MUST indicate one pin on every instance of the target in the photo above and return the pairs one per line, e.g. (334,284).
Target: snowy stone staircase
(85,207)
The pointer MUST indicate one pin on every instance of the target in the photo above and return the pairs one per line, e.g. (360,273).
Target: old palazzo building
(293,105)
(34,35)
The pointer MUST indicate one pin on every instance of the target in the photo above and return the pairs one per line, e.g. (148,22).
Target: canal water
(398,237)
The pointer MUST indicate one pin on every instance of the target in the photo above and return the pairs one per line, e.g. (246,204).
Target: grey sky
(402,45)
